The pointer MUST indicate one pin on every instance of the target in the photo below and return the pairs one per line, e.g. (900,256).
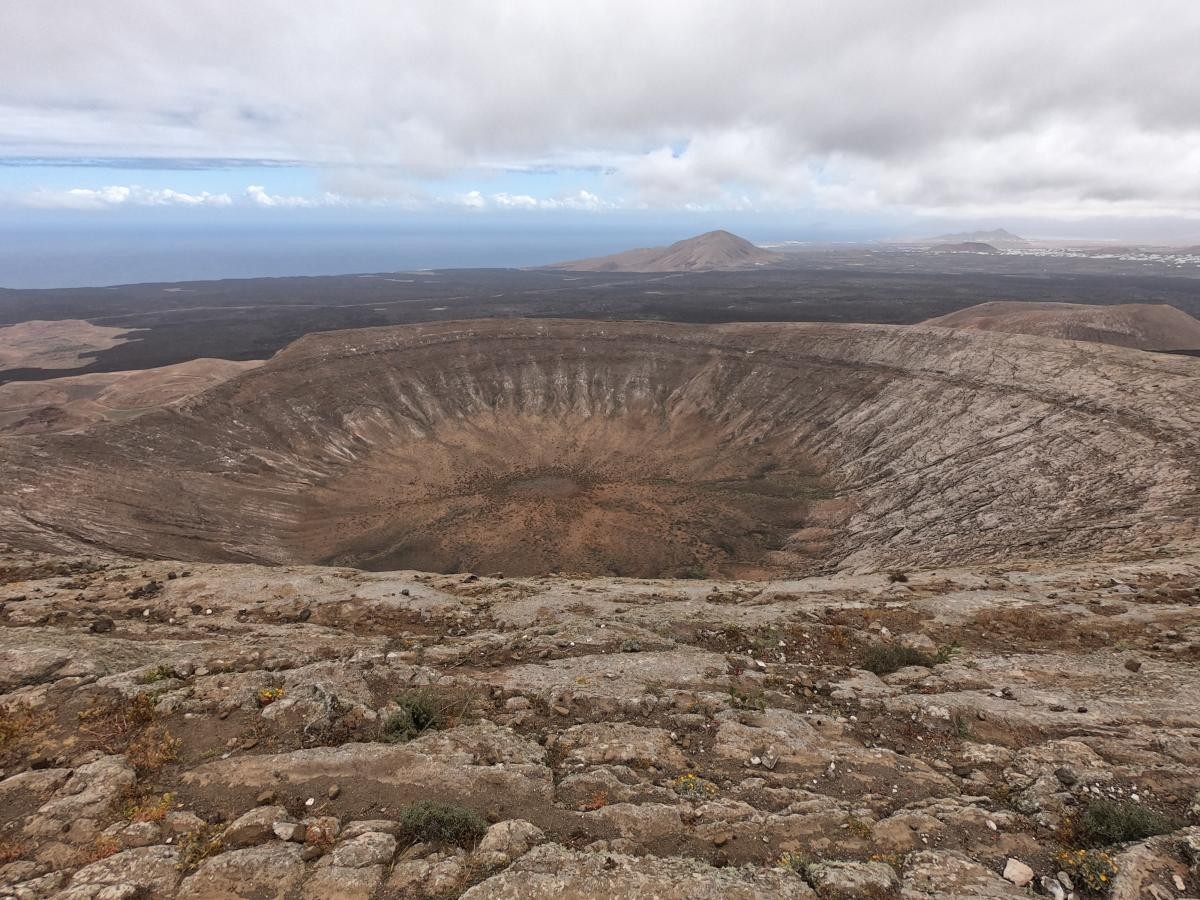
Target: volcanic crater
(649,450)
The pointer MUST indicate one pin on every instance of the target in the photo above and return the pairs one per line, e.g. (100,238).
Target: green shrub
(420,711)
(1094,868)
(692,785)
(883,659)
(1117,821)
(158,673)
(432,822)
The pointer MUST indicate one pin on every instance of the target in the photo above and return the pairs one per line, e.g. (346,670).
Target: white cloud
(580,200)
(471,200)
(118,195)
(1073,107)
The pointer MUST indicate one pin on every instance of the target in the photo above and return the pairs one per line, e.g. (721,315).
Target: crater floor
(748,451)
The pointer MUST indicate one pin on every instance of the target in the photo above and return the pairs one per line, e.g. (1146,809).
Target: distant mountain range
(712,250)
(997,237)
(968,247)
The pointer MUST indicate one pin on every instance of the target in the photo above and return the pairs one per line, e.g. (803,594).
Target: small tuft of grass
(157,674)
(793,861)
(268,695)
(442,823)
(748,702)
(1106,822)
(197,846)
(693,786)
(883,659)
(859,828)
(946,652)
(420,711)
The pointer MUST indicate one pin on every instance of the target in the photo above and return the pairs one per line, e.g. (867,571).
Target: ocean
(104,253)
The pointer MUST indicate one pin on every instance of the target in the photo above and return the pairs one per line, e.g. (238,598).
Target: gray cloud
(1075,107)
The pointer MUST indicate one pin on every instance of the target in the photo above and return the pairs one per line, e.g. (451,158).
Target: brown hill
(1141,326)
(63,404)
(712,250)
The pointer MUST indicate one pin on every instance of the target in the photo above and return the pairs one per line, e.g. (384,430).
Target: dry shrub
(121,725)
(152,749)
(10,850)
(598,800)
(114,721)
(22,729)
(149,809)
(442,823)
(104,846)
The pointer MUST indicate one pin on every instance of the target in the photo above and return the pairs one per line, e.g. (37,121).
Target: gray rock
(552,872)
(152,871)
(949,875)
(853,880)
(267,872)
(370,849)
(343,883)
(254,827)
(511,838)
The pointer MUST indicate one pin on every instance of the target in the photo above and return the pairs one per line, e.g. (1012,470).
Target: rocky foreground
(204,731)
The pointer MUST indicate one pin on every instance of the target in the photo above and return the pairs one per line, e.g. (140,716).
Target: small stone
(310,852)
(1066,776)
(289,831)
(255,827)
(1017,872)
(1051,888)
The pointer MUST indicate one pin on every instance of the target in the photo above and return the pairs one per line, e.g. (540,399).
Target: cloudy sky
(878,112)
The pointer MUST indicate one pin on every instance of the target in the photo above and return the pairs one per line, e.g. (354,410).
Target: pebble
(1017,872)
